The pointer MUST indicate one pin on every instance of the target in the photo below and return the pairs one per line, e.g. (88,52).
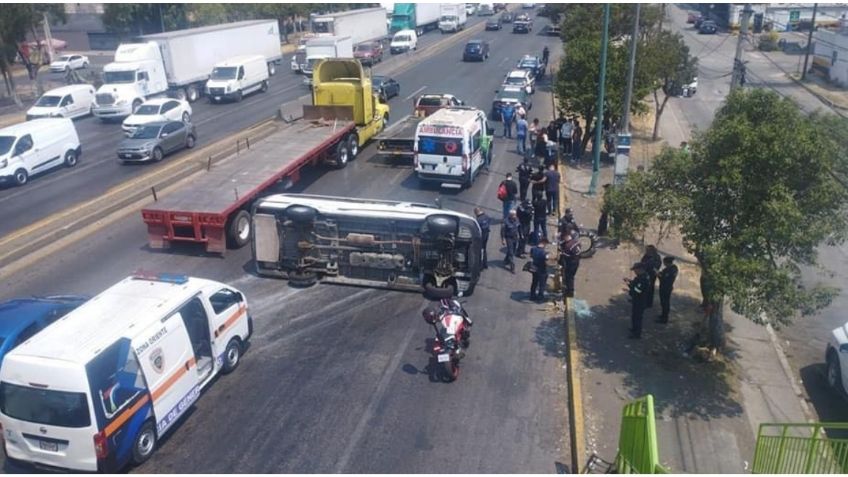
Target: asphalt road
(805,340)
(99,170)
(336,378)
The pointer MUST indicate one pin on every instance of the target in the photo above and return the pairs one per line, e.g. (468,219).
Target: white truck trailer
(179,63)
(453,17)
(324,47)
(360,25)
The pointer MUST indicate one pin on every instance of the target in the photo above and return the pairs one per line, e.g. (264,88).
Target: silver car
(151,142)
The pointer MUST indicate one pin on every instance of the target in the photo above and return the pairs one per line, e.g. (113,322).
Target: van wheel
(239,230)
(432,291)
(157,154)
(21,177)
(303,279)
(353,146)
(71,158)
(272,69)
(232,356)
(144,444)
(264,87)
(342,155)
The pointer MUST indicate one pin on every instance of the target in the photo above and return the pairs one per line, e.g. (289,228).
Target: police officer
(509,238)
(652,262)
(485,227)
(539,256)
(570,261)
(667,276)
(540,216)
(568,224)
(525,170)
(637,288)
(525,218)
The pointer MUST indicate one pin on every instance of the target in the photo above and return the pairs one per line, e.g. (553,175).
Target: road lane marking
(415,92)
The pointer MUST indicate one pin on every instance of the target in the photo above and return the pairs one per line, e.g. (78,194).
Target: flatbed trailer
(213,208)
(399,138)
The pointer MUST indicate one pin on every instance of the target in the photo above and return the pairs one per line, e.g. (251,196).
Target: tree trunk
(659,110)
(713,305)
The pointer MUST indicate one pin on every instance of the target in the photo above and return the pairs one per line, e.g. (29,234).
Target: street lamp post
(596,148)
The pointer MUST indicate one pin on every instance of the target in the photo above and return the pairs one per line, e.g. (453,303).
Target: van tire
(239,230)
(71,158)
(232,356)
(303,279)
(144,444)
(342,155)
(432,291)
(21,177)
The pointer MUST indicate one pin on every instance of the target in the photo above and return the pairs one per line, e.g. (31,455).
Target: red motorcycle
(451,324)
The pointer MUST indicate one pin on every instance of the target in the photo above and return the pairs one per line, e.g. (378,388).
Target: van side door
(167,360)
(67,106)
(228,320)
(26,152)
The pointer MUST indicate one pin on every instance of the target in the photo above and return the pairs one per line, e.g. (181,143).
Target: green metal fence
(637,442)
(801,449)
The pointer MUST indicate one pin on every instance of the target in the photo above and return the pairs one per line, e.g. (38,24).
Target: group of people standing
(642,287)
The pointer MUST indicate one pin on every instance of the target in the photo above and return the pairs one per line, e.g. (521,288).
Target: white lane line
(503,61)
(415,92)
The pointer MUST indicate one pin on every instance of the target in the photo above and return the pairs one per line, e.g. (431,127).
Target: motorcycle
(452,336)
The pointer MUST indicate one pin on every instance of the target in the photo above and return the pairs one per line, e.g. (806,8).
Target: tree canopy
(16,21)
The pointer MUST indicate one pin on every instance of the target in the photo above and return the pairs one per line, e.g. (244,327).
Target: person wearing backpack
(507,191)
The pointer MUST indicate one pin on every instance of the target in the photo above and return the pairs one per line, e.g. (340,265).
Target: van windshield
(440,146)
(6,144)
(48,101)
(401,39)
(44,406)
(224,73)
(117,77)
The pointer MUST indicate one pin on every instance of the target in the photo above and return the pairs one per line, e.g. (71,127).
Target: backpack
(502,192)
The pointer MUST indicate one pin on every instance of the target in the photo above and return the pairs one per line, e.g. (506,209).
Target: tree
(144,18)
(665,65)
(755,197)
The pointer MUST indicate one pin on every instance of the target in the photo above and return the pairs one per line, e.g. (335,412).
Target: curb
(787,371)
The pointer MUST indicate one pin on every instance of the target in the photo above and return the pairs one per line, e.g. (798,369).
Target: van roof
(452,117)
(29,127)
(373,208)
(240,60)
(69,89)
(121,311)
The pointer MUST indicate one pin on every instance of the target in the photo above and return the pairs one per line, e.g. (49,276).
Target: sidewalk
(708,410)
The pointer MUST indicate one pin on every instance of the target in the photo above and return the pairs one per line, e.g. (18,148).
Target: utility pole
(738,66)
(809,42)
(596,147)
(625,118)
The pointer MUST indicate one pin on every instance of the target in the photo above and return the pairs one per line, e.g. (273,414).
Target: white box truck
(453,17)
(321,48)
(360,25)
(179,62)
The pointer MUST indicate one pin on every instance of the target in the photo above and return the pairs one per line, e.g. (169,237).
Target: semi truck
(213,208)
(420,17)
(322,48)
(360,25)
(453,17)
(179,63)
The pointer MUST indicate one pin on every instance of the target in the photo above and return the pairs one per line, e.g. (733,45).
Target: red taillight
(465,163)
(101,445)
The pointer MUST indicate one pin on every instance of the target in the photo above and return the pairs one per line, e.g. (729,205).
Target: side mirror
(164,134)
(239,297)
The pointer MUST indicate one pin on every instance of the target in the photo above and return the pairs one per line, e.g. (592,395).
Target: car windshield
(147,110)
(472,46)
(440,146)
(117,77)
(146,132)
(430,101)
(529,63)
(64,58)
(6,144)
(516,94)
(515,80)
(44,406)
(224,73)
(448,18)
(48,101)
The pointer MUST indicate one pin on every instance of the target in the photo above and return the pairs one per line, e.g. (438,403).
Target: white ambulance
(448,148)
(97,389)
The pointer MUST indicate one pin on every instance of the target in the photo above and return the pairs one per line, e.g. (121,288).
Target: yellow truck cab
(342,82)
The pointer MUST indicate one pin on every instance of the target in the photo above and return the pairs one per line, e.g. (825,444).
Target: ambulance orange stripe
(124,416)
(232,319)
(163,388)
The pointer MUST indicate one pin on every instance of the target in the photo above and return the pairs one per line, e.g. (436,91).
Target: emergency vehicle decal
(230,321)
(178,410)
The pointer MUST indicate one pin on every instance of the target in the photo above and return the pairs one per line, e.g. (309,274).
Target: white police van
(97,389)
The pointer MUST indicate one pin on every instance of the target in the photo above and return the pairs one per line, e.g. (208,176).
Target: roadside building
(830,53)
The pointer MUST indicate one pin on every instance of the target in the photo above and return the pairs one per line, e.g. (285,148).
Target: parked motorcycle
(452,337)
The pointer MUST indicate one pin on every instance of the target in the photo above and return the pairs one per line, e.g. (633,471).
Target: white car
(523,78)
(158,109)
(470,9)
(690,89)
(836,358)
(66,63)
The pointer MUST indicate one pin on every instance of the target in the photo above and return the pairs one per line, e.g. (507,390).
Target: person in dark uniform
(540,216)
(545,54)
(652,262)
(525,218)
(540,276)
(637,288)
(509,238)
(485,227)
(568,224)
(570,262)
(667,276)
(525,170)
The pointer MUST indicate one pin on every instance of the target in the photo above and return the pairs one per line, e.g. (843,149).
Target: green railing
(801,449)
(637,442)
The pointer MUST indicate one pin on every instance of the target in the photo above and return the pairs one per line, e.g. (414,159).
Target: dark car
(385,87)
(507,17)
(151,142)
(476,50)
(494,24)
(369,53)
(532,64)
(698,20)
(521,26)
(21,319)
(509,94)
(708,27)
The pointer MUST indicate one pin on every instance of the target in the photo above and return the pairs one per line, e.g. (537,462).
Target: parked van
(102,385)
(404,40)
(447,146)
(66,102)
(35,146)
(235,77)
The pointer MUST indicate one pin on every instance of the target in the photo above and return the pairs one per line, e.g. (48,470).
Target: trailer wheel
(239,230)
(192,94)
(353,146)
(342,155)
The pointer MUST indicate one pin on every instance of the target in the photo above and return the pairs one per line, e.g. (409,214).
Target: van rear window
(44,406)
(440,146)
